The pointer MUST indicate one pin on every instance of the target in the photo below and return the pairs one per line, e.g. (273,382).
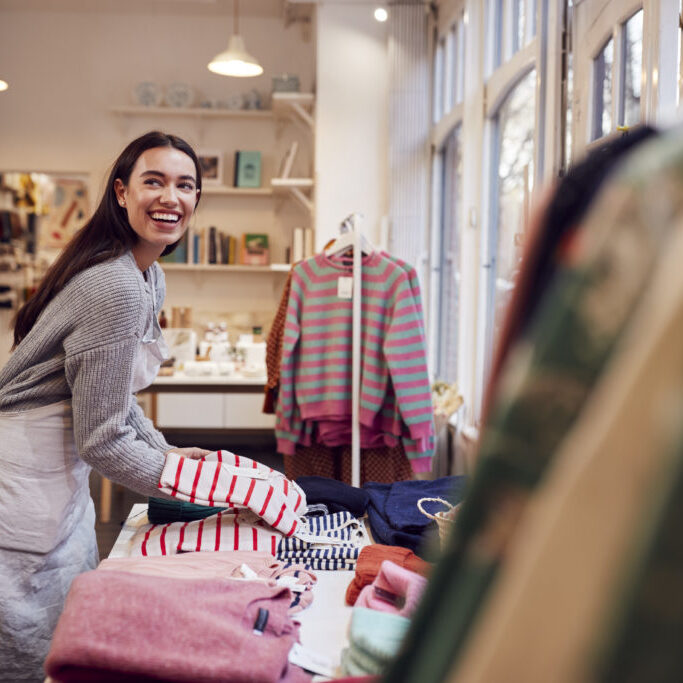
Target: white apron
(47,520)
(47,532)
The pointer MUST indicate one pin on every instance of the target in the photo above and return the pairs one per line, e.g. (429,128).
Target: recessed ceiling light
(381,14)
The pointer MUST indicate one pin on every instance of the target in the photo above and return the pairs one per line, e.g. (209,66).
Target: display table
(324,623)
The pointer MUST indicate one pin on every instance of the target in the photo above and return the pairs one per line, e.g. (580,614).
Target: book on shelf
(179,254)
(288,160)
(212,245)
(302,244)
(247,169)
(255,249)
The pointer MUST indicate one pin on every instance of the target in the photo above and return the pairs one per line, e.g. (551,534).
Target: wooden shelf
(237,191)
(223,268)
(297,104)
(289,183)
(197,112)
(295,187)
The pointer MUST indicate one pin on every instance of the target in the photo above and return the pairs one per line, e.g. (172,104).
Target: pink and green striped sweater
(315,377)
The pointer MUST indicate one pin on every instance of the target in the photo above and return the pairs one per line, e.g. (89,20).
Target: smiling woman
(159,200)
(85,343)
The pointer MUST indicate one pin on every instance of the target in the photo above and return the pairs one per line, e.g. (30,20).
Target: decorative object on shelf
(211,162)
(252,99)
(148,94)
(286,83)
(255,251)
(247,169)
(181,342)
(288,160)
(179,95)
(181,316)
(235,60)
(235,101)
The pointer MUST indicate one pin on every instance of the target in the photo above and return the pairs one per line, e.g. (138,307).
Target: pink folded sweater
(221,565)
(395,589)
(119,625)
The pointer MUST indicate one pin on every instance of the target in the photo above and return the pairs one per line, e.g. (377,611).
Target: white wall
(351,118)
(67,68)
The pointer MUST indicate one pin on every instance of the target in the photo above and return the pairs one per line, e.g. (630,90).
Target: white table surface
(324,623)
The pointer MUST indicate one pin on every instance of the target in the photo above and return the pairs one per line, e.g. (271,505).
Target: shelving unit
(295,187)
(197,112)
(223,268)
(237,191)
(296,104)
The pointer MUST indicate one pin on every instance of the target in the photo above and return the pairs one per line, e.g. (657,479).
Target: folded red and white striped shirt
(227,530)
(224,479)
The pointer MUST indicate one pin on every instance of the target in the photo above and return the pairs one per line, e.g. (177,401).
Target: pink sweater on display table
(119,625)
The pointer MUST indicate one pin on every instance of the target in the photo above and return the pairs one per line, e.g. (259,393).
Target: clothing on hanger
(315,381)
(383,464)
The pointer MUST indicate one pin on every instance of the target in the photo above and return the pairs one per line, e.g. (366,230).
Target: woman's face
(160,199)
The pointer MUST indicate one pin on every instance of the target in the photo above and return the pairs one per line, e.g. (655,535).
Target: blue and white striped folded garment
(339,538)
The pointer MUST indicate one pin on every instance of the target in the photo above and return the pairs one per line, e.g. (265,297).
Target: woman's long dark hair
(105,236)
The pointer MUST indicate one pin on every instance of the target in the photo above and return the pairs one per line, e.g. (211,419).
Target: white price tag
(345,287)
(311,661)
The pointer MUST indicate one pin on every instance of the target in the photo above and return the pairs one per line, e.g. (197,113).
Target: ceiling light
(235,61)
(381,14)
(3,85)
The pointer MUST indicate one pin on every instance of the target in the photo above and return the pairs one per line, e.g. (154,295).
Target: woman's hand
(190,452)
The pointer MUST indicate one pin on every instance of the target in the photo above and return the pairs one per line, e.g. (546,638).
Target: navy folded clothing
(338,496)
(164,510)
(393,514)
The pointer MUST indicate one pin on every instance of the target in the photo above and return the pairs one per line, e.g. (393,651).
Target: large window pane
(632,69)
(602,91)
(514,183)
(449,292)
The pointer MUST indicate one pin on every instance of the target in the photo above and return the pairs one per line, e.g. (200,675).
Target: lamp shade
(3,85)
(235,61)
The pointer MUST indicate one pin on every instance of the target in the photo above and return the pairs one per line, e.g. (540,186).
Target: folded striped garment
(228,530)
(338,539)
(224,479)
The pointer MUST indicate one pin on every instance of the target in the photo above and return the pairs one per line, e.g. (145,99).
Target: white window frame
(594,22)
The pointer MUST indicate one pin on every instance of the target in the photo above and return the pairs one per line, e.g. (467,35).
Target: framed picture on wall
(211,162)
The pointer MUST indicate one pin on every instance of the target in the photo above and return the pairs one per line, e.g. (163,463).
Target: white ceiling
(263,8)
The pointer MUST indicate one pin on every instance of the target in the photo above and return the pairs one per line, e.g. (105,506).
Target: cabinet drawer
(190,410)
(243,411)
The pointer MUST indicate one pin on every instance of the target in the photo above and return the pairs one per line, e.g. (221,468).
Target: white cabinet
(212,411)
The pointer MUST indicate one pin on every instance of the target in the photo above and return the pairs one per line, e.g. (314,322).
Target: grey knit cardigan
(82,348)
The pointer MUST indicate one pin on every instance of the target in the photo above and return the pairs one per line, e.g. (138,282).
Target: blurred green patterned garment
(542,391)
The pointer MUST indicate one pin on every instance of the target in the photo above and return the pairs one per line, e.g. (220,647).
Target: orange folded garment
(369,563)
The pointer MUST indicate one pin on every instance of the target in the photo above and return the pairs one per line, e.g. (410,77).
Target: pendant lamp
(235,61)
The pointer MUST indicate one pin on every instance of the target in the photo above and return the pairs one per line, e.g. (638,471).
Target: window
(602,91)
(632,64)
(438,103)
(448,264)
(513,183)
